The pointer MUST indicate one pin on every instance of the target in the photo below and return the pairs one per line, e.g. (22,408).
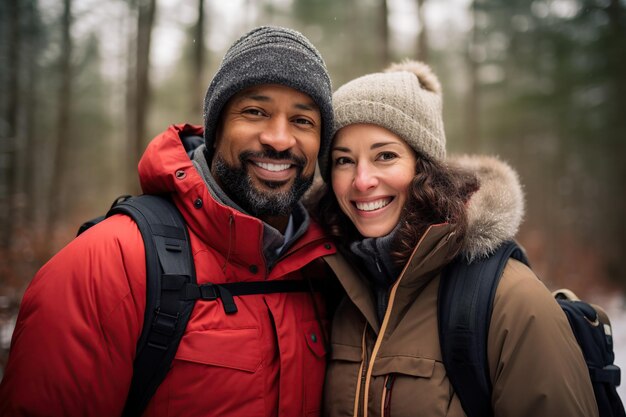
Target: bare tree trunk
(32,46)
(195,92)
(616,237)
(62,133)
(8,146)
(145,21)
(616,13)
(472,110)
(130,172)
(385,54)
(139,89)
(422,38)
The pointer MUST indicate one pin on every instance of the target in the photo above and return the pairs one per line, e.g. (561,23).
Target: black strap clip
(164,323)
(211,292)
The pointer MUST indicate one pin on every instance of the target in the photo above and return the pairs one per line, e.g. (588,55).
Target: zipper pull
(378,264)
(390,380)
(388,386)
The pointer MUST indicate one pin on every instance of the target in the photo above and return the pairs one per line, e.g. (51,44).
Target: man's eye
(303,121)
(253,112)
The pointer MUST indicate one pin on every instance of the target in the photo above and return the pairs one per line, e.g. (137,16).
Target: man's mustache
(286,155)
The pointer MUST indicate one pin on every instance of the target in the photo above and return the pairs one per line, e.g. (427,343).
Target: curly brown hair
(438,194)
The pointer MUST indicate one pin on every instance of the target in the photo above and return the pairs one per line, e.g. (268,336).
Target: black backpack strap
(227,291)
(171,291)
(464,304)
(169,264)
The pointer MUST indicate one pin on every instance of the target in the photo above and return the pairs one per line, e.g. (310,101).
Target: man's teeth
(373,205)
(272,167)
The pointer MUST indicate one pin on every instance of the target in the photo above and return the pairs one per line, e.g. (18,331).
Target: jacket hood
(164,157)
(496,210)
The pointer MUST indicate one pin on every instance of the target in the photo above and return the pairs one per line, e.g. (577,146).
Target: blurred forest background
(85,84)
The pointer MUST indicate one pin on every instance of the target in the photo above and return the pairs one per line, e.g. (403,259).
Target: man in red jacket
(267,113)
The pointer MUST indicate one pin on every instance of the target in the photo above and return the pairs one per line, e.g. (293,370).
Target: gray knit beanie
(270,55)
(405,99)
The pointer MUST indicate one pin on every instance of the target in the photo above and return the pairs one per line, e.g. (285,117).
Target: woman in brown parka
(401,211)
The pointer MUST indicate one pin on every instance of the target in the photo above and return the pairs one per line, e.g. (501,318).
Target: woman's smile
(372,169)
(370,206)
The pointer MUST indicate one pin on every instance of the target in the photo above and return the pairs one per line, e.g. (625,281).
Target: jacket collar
(274,242)
(166,168)
(427,259)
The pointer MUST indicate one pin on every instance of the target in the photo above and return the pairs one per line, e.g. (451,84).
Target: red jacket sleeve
(74,342)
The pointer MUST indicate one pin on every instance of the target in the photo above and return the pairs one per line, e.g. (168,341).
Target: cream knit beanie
(405,98)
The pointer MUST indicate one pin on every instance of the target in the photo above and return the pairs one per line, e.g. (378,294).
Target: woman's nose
(276,134)
(365,177)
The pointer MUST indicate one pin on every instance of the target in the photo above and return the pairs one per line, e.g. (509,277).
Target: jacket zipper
(381,333)
(361,375)
(383,326)
(385,402)
(378,264)
(293,250)
(289,253)
(231,233)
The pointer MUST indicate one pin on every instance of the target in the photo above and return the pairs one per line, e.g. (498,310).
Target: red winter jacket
(80,319)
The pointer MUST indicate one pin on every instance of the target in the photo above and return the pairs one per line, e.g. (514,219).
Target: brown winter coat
(394,368)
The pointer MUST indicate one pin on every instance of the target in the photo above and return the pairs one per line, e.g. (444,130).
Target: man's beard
(237,184)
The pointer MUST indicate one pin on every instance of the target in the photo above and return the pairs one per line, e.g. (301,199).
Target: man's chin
(256,195)
(273,185)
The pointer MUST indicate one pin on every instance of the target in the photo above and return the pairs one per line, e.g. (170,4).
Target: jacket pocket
(406,384)
(229,348)
(314,366)
(227,363)
(345,353)
(406,365)
(343,380)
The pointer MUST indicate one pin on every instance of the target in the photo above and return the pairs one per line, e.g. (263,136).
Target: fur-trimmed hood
(496,210)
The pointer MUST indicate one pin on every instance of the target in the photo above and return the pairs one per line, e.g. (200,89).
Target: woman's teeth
(373,205)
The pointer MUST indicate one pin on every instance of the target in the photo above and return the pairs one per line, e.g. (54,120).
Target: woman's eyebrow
(374,146)
(340,149)
(381,144)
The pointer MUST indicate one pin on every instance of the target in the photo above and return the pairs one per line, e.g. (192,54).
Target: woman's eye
(387,156)
(342,160)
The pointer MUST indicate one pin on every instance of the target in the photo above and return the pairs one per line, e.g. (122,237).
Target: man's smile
(272,167)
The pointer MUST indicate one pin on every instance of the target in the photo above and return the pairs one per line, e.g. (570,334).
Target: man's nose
(277,134)
(365,177)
